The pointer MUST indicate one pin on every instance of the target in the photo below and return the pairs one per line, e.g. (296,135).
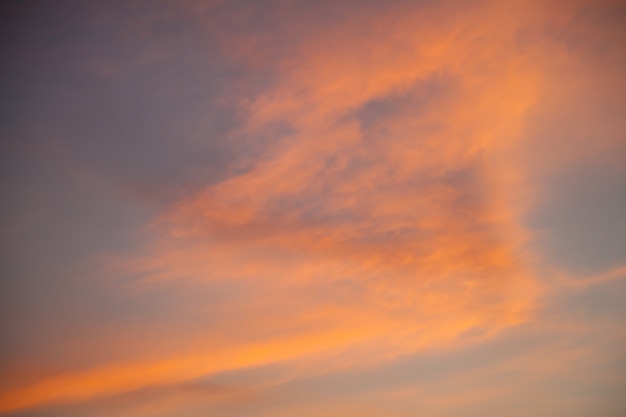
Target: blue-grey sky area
(331,208)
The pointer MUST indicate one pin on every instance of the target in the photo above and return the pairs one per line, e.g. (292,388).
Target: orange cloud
(383,218)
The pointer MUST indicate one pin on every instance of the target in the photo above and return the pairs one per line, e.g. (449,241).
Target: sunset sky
(313,208)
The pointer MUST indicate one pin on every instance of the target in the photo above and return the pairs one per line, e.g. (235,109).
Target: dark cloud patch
(415,102)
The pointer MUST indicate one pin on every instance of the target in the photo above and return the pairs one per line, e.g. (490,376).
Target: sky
(277,208)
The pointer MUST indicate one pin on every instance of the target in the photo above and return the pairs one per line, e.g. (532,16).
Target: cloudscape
(355,208)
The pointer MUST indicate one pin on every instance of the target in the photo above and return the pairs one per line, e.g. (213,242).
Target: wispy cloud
(374,184)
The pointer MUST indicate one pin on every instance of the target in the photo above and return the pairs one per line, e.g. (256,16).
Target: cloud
(378,208)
